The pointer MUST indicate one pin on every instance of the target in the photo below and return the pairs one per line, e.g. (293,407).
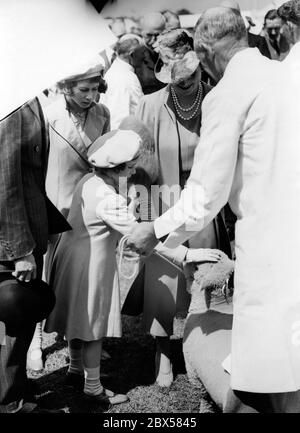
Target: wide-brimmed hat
(114,148)
(177,58)
(91,70)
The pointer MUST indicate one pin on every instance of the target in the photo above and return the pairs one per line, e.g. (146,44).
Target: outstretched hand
(142,239)
(201,255)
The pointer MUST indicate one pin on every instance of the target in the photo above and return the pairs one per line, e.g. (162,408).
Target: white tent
(138,7)
(42,41)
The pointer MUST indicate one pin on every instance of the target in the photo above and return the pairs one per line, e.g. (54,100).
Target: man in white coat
(124,91)
(249,155)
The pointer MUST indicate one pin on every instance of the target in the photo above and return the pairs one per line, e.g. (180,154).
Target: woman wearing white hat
(75,122)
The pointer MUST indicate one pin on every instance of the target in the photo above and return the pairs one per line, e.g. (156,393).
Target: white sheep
(207,331)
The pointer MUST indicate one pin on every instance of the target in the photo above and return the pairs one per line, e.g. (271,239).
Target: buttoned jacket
(68,161)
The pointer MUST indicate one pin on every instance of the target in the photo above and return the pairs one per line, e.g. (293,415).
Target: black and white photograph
(149,187)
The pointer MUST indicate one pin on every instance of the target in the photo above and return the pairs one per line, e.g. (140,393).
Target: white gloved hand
(201,255)
(25,268)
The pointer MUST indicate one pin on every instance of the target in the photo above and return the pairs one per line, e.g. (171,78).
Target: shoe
(35,360)
(40,410)
(33,408)
(108,397)
(75,381)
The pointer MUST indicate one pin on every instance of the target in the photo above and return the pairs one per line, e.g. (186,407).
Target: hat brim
(177,70)
(81,77)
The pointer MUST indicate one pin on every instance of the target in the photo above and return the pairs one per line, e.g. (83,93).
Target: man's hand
(25,268)
(202,255)
(142,239)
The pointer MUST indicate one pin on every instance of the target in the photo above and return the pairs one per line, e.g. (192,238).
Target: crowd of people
(178,144)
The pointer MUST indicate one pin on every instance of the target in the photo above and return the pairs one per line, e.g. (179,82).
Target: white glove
(25,268)
(200,255)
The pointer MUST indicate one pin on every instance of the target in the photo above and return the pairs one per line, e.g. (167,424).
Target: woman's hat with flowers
(177,58)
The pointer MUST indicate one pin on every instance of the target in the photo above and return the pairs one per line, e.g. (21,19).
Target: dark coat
(26,215)
(143,61)
(260,43)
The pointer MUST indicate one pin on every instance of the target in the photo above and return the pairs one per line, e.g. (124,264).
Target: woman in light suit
(75,122)
(173,116)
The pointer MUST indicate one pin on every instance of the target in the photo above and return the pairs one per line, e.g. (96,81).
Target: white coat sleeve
(174,255)
(135,96)
(115,212)
(210,182)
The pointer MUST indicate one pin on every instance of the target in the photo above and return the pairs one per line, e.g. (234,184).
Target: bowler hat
(24,303)
(177,58)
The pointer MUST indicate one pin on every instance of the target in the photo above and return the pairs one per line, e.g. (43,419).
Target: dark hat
(177,58)
(290,11)
(23,303)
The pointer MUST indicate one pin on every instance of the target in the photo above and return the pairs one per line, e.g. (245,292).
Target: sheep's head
(214,278)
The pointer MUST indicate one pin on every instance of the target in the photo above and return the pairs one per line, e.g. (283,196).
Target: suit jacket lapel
(65,127)
(169,152)
(94,127)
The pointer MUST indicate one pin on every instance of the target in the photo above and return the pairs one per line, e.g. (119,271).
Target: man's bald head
(153,21)
(153,24)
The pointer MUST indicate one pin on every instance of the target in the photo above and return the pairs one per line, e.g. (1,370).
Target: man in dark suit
(26,220)
(259,42)
(277,40)
(144,58)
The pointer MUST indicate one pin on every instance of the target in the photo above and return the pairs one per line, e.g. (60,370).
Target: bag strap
(71,145)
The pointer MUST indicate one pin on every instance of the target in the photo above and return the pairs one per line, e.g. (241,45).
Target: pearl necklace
(196,104)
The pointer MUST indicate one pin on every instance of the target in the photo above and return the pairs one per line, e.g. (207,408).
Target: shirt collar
(239,57)
(123,64)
